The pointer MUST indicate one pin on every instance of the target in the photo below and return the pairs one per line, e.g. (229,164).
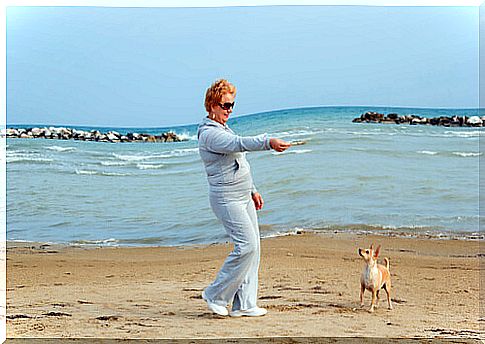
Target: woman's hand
(279,145)
(258,200)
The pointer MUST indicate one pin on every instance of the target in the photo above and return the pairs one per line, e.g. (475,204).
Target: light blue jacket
(224,157)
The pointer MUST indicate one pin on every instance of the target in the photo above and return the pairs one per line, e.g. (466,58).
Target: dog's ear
(376,254)
(371,246)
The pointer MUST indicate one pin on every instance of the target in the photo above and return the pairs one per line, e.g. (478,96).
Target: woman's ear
(212,111)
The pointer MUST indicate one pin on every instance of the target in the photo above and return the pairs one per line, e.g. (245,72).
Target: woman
(234,200)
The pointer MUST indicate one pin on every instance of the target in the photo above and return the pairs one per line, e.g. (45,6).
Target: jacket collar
(211,122)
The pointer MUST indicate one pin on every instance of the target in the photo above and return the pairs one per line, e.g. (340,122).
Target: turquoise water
(347,177)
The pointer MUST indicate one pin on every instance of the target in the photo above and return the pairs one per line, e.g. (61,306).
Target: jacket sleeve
(253,189)
(220,141)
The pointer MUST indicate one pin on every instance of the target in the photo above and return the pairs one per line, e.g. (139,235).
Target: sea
(399,180)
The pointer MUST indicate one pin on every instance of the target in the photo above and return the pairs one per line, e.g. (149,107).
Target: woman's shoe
(251,312)
(215,308)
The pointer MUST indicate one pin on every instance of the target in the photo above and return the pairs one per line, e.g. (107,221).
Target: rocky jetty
(394,118)
(61,133)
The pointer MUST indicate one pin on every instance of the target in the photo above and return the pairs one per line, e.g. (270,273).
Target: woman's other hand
(279,145)
(258,200)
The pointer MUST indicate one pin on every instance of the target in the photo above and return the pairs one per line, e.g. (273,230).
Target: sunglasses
(226,106)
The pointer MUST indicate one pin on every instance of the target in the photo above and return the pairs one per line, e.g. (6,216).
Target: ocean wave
(293,151)
(114,163)
(101,173)
(61,224)
(34,160)
(61,149)
(427,152)
(465,134)
(186,136)
(27,158)
(296,133)
(370,133)
(414,231)
(180,152)
(110,241)
(184,172)
(86,172)
(294,231)
(466,154)
(134,157)
(149,166)
(170,154)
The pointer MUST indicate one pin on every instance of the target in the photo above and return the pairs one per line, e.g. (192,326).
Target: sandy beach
(309,283)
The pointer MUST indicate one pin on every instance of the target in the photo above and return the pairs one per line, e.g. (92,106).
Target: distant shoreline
(438,236)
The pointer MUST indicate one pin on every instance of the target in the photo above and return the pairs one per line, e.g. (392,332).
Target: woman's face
(219,114)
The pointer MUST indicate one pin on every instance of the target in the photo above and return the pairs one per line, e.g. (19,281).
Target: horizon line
(245,115)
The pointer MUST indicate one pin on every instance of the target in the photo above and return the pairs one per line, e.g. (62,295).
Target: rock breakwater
(61,133)
(394,118)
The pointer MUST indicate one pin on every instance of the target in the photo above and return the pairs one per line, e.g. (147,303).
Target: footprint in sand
(282,308)
(192,289)
(270,297)
(84,302)
(18,316)
(108,317)
(59,304)
(57,314)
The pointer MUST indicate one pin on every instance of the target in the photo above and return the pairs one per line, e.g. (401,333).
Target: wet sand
(309,283)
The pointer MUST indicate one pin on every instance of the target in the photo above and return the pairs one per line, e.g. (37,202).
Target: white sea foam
(17,156)
(371,133)
(114,163)
(180,152)
(293,151)
(86,172)
(294,231)
(109,241)
(149,166)
(26,159)
(61,149)
(134,157)
(299,151)
(459,133)
(427,152)
(296,133)
(100,173)
(170,154)
(465,154)
(187,136)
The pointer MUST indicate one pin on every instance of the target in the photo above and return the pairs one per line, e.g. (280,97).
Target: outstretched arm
(226,142)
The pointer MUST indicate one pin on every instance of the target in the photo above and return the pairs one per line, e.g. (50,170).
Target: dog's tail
(387,262)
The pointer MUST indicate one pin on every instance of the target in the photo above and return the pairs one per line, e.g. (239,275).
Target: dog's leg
(373,303)
(387,286)
(362,289)
(377,299)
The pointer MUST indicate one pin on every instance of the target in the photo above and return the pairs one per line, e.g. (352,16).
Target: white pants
(237,281)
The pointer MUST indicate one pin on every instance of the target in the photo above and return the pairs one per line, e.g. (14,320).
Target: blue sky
(150,67)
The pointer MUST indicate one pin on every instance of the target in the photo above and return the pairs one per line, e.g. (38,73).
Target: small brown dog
(374,277)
